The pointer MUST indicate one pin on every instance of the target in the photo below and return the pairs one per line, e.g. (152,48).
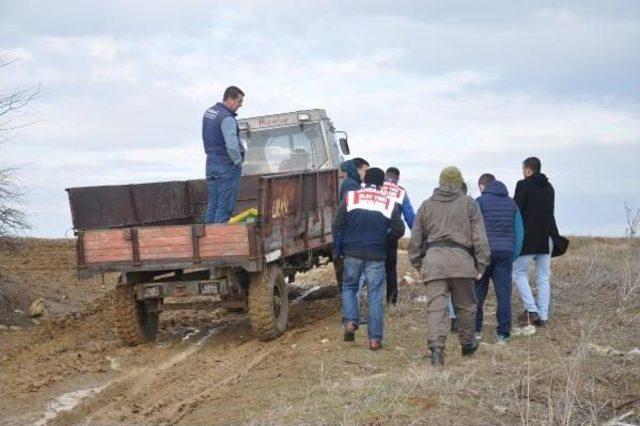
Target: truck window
(284,149)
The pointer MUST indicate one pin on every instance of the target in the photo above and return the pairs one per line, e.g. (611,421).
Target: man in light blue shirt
(225,155)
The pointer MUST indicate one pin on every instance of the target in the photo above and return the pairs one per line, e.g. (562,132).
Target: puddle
(70,400)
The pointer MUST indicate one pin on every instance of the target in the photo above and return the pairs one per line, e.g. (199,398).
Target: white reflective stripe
(394,192)
(371,200)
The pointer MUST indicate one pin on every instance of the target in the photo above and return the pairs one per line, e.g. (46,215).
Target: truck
(154,235)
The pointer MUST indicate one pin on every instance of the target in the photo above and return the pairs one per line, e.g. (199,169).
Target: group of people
(457,243)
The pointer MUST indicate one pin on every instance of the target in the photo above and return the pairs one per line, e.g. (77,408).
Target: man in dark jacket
(354,170)
(399,195)
(503,224)
(366,219)
(225,155)
(535,198)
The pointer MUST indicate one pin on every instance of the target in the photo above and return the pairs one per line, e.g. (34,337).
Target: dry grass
(552,377)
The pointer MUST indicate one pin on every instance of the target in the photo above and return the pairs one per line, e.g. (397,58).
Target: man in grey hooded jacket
(450,248)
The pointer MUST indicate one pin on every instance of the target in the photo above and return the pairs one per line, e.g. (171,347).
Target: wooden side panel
(106,246)
(167,243)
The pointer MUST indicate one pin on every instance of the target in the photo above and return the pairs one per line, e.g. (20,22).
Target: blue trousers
(499,271)
(223,181)
(375,276)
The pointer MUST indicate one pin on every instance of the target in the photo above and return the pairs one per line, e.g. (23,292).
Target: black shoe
(350,332)
(470,348)
(437,357)
(526,318)
(540,323)
(454,325)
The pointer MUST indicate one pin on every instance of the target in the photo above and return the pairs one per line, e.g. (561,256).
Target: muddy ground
(206,368)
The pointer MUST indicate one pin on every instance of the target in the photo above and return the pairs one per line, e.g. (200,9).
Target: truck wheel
(268,303)
(136,320)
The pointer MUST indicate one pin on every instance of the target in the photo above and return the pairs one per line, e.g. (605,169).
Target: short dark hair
(393,172)
(533,164)
(374,176)
(486,179)
(359,162)
(232,92)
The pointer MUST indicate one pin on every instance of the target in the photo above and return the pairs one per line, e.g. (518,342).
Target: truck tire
(268,303)
(135,322)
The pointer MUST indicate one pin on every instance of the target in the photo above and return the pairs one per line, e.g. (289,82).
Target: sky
(419,85)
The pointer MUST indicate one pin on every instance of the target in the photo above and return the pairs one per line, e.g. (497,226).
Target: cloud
(419,84)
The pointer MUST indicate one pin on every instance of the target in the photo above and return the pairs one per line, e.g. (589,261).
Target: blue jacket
(502,219)
(352,182)
(221,150)
(364,223)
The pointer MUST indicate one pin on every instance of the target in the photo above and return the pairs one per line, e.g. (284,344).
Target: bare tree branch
(13,220)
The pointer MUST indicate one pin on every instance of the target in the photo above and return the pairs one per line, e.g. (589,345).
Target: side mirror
(344,146)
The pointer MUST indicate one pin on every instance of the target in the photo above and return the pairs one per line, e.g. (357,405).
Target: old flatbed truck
(153,233)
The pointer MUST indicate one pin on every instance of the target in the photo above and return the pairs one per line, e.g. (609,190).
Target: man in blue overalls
(366,219)
(225,155)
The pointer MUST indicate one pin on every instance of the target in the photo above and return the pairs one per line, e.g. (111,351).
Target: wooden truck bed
(295,212)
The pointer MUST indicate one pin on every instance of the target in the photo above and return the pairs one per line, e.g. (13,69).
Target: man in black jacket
(535,196)
(365,222)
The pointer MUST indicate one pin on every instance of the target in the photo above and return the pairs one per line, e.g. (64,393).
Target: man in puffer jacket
(505,232)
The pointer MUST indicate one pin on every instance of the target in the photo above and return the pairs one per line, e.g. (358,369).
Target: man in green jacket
(450,248)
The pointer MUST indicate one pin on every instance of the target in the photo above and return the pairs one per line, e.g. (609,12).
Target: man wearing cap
(450,248)
(366,220)
(225,155)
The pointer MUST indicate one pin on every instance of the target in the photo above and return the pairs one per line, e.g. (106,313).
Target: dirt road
(206,368)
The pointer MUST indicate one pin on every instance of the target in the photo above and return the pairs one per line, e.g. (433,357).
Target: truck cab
(291,142)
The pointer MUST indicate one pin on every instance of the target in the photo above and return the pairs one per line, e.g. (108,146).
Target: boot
(350,331)
(437,357)
(470,348)
(375,345)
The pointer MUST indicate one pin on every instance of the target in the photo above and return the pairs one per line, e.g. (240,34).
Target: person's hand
(479,277)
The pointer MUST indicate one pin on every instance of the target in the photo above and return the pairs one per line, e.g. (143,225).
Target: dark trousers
(499,271)
(392,272)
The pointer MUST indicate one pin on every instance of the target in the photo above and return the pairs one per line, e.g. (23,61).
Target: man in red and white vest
(365,220)
(398,195)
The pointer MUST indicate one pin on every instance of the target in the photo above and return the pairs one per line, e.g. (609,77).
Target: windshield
(284,149)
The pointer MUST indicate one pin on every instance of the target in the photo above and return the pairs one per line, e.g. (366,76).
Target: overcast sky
(418,85)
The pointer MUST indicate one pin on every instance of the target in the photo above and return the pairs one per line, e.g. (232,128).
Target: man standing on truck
(366,219)
(399,195)
(225,155)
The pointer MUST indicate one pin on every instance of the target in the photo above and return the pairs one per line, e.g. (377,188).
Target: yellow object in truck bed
(246,216)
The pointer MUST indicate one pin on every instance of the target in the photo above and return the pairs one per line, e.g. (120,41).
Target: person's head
(531,166)
(362,165)
(393,174)
(233,98)
(451,176)
(485,180)
(374,176)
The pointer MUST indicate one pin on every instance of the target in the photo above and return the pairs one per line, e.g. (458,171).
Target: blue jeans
(223,181)
(543,282)
(498,271)
(375,276)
